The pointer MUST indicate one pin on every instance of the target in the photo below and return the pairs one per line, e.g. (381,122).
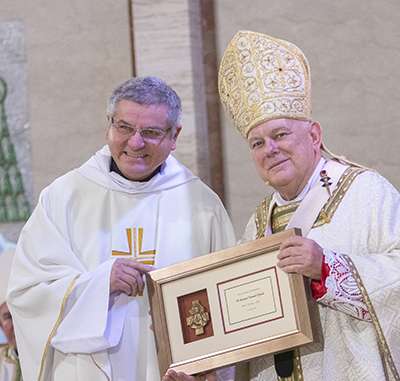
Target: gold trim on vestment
(55,326)
(261,216)
(297,374)
(5,349)
(340,191)
(326,213)
(383,346)
(281,216)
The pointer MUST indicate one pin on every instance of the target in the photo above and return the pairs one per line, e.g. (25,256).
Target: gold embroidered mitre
(263,78)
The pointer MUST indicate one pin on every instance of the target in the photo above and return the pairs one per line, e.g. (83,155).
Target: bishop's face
(138,157)
(285,153)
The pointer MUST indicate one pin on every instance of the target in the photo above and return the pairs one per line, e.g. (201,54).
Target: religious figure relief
(198,318)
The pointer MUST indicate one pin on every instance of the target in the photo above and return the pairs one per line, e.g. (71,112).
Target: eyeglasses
(148,133)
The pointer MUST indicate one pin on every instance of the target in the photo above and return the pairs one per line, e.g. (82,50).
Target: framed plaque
(228,306)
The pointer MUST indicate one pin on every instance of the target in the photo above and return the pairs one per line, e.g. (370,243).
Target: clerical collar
(114,168)
(280,201)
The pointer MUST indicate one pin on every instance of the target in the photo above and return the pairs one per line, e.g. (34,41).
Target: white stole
(306,214)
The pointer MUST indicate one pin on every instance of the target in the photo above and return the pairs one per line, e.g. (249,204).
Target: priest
(77,291)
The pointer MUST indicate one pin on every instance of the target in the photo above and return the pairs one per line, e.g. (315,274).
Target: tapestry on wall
(16,182)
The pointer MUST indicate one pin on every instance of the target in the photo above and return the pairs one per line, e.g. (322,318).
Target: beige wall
(168,45)
(353,48)
(78,51)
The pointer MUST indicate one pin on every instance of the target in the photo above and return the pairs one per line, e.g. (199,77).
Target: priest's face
(6,324)
(138,155)
(285,153)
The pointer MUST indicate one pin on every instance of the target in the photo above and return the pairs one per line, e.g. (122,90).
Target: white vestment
(365,225)
(67,325)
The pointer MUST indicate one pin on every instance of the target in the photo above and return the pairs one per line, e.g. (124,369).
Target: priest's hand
(127,276)
(301,255)
(171,375)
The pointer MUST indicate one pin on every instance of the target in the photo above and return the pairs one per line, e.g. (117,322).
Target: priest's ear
(175,137)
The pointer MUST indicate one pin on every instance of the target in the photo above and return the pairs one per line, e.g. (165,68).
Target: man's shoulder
(356,178)
(364,180)
(349,175)
(358,185)
(60,182)
(183,177)
(201,191)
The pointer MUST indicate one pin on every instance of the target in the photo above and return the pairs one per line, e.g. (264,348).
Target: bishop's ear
(316,134)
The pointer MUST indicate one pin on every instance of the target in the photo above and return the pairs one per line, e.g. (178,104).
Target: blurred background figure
(9,362)
(4,244)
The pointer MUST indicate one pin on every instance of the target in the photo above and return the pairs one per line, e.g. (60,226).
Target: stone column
(175,40)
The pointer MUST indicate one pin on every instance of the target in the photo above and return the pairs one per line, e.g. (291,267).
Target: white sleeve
(91,320)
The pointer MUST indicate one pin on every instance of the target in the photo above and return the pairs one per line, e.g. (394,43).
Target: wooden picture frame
(228,306)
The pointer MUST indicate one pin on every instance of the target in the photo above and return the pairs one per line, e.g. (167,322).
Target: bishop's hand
(301,255)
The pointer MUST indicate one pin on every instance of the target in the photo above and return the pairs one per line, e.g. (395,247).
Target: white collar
(280,201)
(172,174)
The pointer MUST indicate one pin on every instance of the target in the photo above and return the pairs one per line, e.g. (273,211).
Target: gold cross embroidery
(282,71)
(145,257)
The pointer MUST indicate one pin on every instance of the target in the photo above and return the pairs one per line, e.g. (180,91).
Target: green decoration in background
(14,205)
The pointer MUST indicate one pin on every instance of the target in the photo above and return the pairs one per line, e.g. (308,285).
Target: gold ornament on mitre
(263,78)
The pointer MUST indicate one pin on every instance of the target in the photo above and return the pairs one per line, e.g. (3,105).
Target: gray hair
(148,90)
